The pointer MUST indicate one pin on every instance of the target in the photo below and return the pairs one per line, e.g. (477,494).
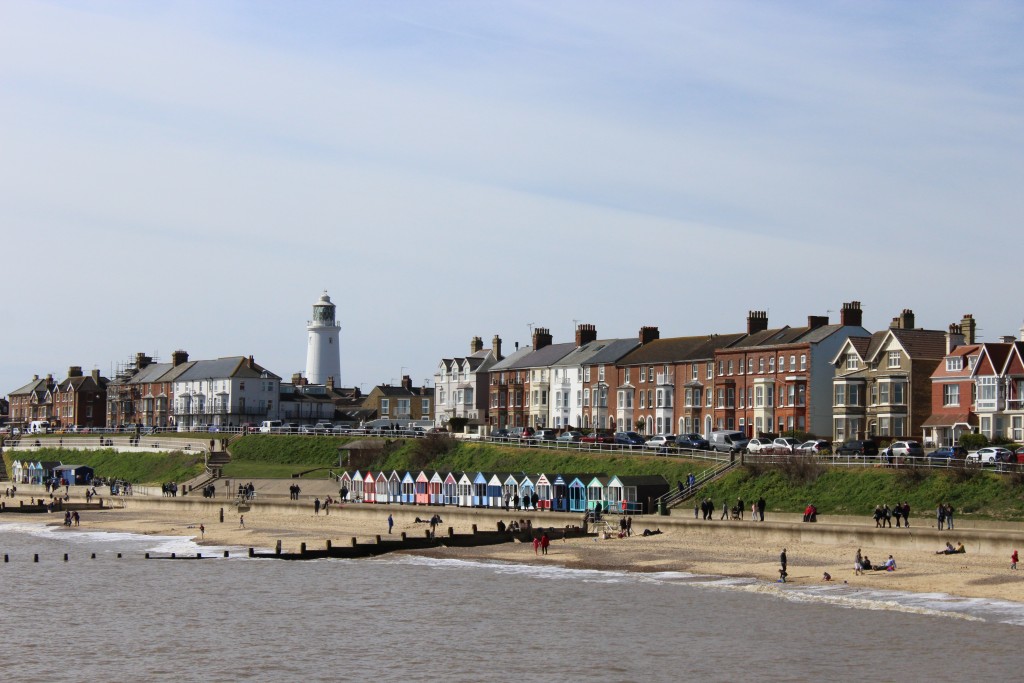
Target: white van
(39,427)
(271,427)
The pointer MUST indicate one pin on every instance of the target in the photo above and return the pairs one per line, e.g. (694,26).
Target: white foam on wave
(116,540)
(838,595)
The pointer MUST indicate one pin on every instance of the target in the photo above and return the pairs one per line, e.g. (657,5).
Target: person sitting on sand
(948,550)
(960,548)
(889,566)
(866,564)
(826,577)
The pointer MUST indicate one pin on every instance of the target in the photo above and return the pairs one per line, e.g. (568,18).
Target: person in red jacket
(1013,560)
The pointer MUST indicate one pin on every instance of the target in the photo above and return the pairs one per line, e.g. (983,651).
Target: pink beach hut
(451,489)
(544,492)
(422,493)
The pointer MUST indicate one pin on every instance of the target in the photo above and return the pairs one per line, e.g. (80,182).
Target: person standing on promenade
(391,522)
(897,512)
(1013,560)
(940,515)
(725,510)
(761,505)
(316,506)
(740,507)
(906,514)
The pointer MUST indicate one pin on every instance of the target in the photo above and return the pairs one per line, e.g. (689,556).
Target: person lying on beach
(948,550)
(648,532)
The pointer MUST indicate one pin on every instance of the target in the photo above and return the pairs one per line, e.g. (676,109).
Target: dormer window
(851,361)
(894,359)
(954,364)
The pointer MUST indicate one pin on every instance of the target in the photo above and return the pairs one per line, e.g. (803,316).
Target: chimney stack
(904,321)
(297,379)
(142,360)
(851,315)
(1007,339)
(330,384)
(585,334)
(407,382)
(541,338)
(496,347)
(75,371)
(648,334)
(179,357)
(969,328)
(250,362)
(816,321)
(757,321)
(475,344)
(95,375)
(954,338)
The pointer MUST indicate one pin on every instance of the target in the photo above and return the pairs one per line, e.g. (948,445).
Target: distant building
(80,400)
(32,401)
(402,403)
(460,385)
(306,403)
(142,392)
(225,392)
(323,355)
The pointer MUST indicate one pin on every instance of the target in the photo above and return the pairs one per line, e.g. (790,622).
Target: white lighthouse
(323,357)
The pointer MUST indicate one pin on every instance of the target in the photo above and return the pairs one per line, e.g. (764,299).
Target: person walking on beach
(241,521)
(725,510)
(536,544)
(391,523)
(858,564)
(544,543)
(1013,560)
(906,514)
(696,508)
(740,507)
(75,518)
(316,506)
(202,532)
(782,569)
(761,505)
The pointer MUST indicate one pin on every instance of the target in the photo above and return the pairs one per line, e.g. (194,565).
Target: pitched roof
(921,343)
(597,352)
(508,361)
(545,356)
(230,366)
(35,386)
(674,349)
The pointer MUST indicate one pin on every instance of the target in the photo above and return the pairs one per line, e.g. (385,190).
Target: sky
(192,175)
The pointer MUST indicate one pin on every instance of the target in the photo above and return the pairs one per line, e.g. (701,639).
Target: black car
(500,434)
(693,441)
(858,447)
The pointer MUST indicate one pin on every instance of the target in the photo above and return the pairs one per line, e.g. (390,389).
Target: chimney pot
(585,334)
(851,315)
(496,347)
(649,333)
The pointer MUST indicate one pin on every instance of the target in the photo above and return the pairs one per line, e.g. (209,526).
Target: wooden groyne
(30,508)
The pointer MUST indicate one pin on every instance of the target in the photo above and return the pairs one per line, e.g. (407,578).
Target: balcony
(666,379)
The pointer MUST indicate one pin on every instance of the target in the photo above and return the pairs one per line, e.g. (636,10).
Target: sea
(409,618)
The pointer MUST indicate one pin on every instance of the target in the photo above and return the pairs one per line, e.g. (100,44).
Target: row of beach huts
(554,492)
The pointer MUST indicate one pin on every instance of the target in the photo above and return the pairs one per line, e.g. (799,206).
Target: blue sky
(193,174)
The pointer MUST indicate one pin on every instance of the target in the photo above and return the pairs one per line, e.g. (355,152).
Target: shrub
(801,469)
(973,442)
(429,449)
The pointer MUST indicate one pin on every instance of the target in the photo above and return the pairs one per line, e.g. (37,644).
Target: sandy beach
(719,548)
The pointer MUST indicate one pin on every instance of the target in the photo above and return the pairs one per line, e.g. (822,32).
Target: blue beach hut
(495,491)
(480,489)
(527,486)
(559,493)
(577,495)
(510,487)
(408,494)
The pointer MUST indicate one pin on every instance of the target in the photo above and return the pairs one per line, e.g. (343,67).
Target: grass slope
(138,468)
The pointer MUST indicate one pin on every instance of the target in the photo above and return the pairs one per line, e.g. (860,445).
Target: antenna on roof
(530,325)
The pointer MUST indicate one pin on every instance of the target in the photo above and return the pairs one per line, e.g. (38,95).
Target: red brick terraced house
(953,388)
(32,402)
(80,400)
(780,380)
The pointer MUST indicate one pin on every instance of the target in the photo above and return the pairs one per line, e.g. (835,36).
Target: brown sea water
(410,618)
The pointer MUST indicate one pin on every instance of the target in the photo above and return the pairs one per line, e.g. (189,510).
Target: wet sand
(719,548)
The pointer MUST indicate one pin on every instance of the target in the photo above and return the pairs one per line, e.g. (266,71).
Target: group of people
(688,485)
(862,563)
(71,518)
(943,515)
(246,491)
(883,515)
(294,491)
(524,503)
(542,542)
(705,508)
(950,550)
(325,505)
(514,527)
(810,513)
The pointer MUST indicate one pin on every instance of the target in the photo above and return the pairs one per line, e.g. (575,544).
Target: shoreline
(737,549)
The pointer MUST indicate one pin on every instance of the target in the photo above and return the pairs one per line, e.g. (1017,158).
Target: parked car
(306,429)
(545,435)
(759,446)
(661,441)
(323,428)
(598,436)
(912,449)
(948,453)
(571,437)
(785,444)
(814,447)
(521,433)
(629,439)
(728,441)
(694,441)
(500,434)
(989,455)
(862,447)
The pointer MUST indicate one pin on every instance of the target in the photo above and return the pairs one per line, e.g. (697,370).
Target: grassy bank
(138,468)
(845,491)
